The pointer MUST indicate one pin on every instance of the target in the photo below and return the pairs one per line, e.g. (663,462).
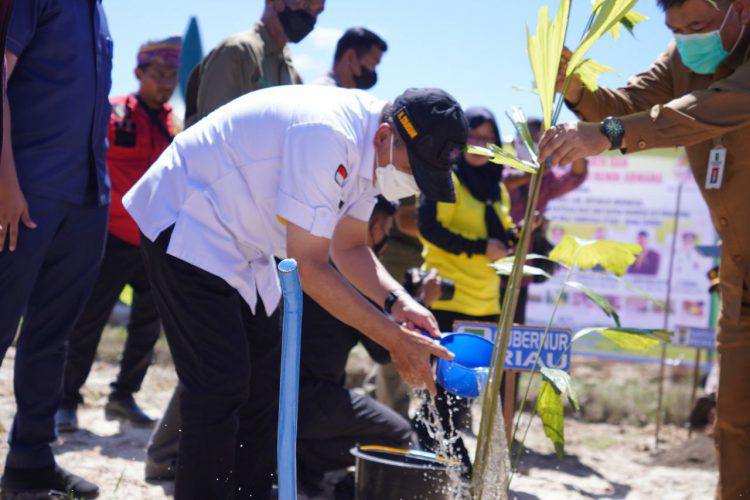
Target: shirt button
(641,144)
(723,222)
(737,259)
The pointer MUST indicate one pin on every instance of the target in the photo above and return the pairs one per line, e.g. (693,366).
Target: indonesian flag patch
(341,175)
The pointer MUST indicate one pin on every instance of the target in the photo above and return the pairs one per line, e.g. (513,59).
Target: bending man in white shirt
(283,172)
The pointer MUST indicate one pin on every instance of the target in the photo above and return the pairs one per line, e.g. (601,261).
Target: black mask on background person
(297,24)
(366,79)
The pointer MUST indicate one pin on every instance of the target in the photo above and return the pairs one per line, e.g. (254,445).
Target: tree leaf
(561,381)
(589,70)
(521,124)
(549,407)
(532,256)
(614,256)
(660,304)
(498,155)
(545,48)
(608,14)
(597,299)
(629,21)
(505,268)
(633,339)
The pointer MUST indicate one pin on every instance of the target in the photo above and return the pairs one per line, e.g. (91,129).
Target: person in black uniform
(332,418)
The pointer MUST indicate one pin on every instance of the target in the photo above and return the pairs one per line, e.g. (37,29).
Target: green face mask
(703,52)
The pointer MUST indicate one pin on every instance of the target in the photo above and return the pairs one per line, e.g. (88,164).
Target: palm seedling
(545,49)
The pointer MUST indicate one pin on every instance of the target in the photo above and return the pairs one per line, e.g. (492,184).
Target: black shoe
(126,408)
(45,482)
(66,420)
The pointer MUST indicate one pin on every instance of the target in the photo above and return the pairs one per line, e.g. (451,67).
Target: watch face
(613,127)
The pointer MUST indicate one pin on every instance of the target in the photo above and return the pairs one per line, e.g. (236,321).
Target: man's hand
(568,142)
(430,289)
(13,205)
(495,250)
(13,210)
(410,354)
(409,311)
(574,91)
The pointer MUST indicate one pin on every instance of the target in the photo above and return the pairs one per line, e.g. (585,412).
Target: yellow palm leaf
(498,155)
(589,70)
(608,14)
(630,20)
(613,256)
(545,49)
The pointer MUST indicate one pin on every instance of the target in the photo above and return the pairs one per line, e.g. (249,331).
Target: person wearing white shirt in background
(289,171)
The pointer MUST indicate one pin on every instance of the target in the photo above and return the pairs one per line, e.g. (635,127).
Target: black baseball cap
(434,128)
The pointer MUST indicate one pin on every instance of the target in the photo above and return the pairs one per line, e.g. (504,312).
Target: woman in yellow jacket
(460,240)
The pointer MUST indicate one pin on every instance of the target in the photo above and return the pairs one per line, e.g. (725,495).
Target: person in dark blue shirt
(54,196)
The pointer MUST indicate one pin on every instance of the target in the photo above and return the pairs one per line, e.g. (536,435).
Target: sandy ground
(603,460)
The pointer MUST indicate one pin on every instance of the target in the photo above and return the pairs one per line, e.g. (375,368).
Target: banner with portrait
(633,198)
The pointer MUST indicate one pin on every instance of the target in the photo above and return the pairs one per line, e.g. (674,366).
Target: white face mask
(393,183)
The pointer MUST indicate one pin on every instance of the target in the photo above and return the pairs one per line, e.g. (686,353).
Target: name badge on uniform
(716,162)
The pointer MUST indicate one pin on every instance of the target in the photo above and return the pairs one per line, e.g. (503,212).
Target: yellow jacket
(477,284)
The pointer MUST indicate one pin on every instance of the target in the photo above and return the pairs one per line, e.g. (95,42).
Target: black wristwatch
(393,296)
(614,130)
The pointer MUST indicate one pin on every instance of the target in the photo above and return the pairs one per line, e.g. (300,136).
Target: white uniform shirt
(294,153)
(327,79)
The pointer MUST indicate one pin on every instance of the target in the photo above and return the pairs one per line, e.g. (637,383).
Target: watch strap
(392,297)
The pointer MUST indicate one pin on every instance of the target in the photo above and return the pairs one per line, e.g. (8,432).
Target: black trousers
(333,420)
(122,265)
(47,280)
(452,410)
(228,361)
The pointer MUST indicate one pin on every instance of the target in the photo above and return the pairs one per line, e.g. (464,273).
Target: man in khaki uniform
(251,60)
(242,63)
(697,95)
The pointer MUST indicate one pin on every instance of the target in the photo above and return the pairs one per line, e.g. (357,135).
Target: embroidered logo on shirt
(341,175)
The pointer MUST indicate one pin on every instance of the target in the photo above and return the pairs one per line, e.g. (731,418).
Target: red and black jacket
(137,137)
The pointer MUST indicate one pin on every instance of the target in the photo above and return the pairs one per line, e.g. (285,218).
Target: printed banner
(633,199)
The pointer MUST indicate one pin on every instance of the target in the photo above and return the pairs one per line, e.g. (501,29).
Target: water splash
(495,486)
(456,488)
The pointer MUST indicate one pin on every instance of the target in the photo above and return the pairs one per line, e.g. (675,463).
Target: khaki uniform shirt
(669,105)
(242,63)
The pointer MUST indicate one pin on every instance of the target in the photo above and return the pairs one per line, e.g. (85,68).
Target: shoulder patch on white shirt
(341,175)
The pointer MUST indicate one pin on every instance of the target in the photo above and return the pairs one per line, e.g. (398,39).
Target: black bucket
(391,474)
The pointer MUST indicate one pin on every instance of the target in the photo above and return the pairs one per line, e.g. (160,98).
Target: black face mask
(297,24)
(366,79)
(380,245)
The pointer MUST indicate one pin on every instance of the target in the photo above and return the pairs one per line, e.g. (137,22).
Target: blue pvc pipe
(286,445)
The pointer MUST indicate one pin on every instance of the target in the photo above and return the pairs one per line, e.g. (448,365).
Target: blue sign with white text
(697,338)
(523,348)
